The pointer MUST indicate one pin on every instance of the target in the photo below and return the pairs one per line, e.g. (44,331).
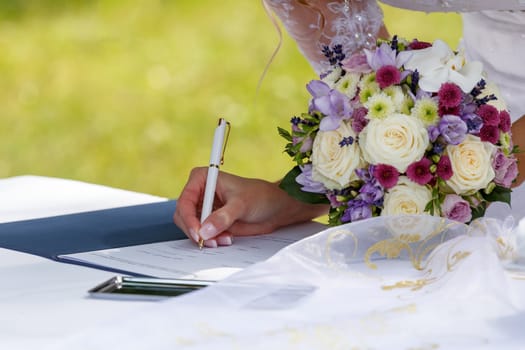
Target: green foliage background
(126,93)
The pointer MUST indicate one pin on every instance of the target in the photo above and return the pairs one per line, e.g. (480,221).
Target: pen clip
(225,142)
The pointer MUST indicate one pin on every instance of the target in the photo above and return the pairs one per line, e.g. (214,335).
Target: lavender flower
(506,169)
(357,210)
(452,129)
(473,121)
(333,104)
(384,55)
(456,208)
(305,179)
(371,193)
(433,133)
(356,63)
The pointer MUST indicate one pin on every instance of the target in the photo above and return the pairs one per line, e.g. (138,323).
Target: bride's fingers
(222,219)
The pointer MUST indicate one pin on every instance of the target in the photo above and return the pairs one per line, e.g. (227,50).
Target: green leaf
(291,186)
(498,194)
(479,211)
(284,133)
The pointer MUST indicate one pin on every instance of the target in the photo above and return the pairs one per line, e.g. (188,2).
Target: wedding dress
(493,33)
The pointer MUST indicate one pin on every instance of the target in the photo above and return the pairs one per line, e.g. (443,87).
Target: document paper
(183,259)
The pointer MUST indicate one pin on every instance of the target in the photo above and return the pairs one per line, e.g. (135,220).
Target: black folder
(93,230)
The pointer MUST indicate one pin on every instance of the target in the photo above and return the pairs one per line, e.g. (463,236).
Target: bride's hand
(242,207)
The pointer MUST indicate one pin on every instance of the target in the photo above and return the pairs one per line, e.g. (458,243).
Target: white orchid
(438,64)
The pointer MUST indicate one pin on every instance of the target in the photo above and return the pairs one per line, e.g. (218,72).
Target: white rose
(471,165)
(406,197)
(398,140)
(334,164)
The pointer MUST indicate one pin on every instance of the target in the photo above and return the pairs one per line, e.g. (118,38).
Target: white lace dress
(494,34)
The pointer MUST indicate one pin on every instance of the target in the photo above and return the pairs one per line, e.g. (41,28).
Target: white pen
(220,139)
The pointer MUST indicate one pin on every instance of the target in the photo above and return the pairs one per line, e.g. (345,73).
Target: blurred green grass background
(126,93)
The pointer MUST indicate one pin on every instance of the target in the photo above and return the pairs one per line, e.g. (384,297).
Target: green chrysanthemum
(367,80)
(397,96)
(426,109)
(379,106)
(347,85)
(505,140)
(407,105)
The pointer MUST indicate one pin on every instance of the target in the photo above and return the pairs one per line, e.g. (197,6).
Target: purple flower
(450,95)
(386,175)
(317,88)
(333,104)
(371,193)
(456,208)
(489,133)
(333,198)
(359,120)
(419,172)
(433,133)
(489,114)
(305,180)
(444,168)
(357,210)
(306,145)
(365,174)
(504,121)
(387,76)
(453,129)
(506,169)
(474,122)
(384,55)
(356,64)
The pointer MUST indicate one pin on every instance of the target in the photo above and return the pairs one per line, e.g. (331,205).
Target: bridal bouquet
(404,128)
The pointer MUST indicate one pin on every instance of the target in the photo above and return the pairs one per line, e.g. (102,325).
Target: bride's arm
(314,24)
(518,136)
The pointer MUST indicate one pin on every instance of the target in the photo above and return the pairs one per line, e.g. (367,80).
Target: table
(316,294)
(41,300)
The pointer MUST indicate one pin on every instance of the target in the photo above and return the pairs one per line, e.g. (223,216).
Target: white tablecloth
(316,294)
(42,301)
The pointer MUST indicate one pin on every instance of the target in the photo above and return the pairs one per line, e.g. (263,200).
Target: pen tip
(201,243)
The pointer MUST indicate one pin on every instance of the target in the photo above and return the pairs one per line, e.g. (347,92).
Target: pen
(220,139)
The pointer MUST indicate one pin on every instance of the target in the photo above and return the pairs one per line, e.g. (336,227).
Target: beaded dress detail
(353,24)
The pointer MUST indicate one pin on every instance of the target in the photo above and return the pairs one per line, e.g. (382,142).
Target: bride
(492,34)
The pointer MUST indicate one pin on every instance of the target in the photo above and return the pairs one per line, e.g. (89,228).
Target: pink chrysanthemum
(359,120)
(504,121)
(489,133)
(450,95)
(442,110)
(386,175)
(387,76)
(489,114)
(444,168)
(418,45)
(419,172)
